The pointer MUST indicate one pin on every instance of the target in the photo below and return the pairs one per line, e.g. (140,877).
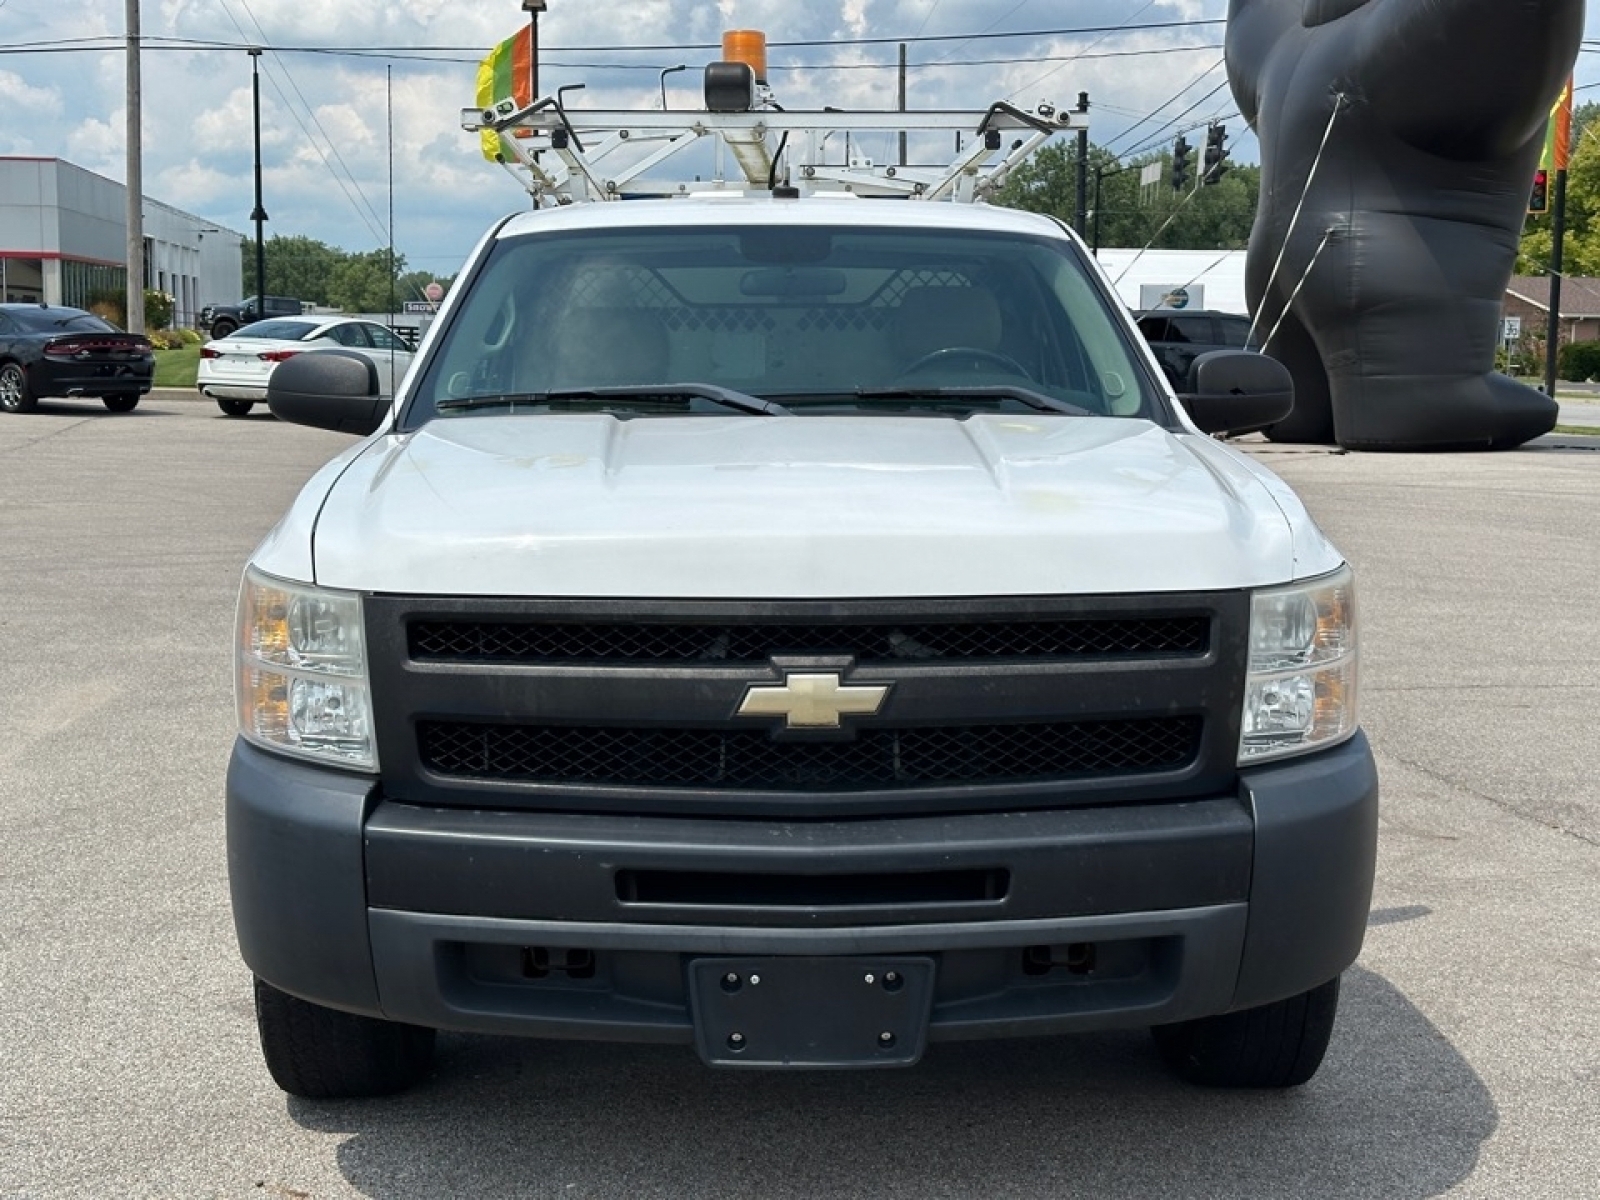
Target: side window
(383,339)
(1155,329)
(1235,331)
(1190,329)
(351,335)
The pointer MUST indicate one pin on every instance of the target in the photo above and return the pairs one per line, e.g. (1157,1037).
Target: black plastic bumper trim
(295,874)
(540,866)
(422,981)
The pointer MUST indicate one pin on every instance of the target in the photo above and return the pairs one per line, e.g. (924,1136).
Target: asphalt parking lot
(1466,1061)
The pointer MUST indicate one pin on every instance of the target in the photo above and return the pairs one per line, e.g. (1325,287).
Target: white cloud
(22,99)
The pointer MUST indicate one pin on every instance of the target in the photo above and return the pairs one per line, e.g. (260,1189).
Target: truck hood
(745,507)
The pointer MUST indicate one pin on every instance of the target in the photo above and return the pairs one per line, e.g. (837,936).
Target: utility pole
(902,101)
(259,216)
(134,298)
(1082,214)
(1558,236)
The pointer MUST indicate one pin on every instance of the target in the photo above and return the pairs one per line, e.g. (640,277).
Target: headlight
(1300,693)
(301,683)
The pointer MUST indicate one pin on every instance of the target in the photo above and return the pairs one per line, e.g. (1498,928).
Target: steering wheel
(971,355)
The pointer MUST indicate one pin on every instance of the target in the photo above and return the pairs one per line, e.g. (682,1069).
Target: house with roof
(1527,303)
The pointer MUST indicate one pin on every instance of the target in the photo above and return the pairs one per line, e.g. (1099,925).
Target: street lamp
(664,73)
(259,216)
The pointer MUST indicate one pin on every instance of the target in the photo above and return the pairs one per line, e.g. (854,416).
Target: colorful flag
(1557,154)
(507,74)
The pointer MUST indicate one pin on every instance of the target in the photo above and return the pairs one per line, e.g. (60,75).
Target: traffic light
(1180,164)
(1216,158)
(1539,202)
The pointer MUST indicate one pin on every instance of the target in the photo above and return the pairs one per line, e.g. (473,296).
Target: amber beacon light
(748,46)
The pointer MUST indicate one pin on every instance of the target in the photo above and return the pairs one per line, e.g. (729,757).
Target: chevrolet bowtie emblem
(812,701)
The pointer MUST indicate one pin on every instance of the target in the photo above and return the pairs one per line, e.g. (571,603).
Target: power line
(370,216)
(1053,70)
(1158,136)
(65,45)
(1154,113)
(232,48)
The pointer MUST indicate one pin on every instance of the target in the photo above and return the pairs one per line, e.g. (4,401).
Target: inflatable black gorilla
(1418,124)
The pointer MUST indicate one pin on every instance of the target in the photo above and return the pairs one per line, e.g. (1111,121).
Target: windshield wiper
(726,397)
(988,391)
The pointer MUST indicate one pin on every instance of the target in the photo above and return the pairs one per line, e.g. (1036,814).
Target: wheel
(1277,1045)
(970,355)
(324,1054)
(120,403)
(236,408)
(15,395)
(222,328)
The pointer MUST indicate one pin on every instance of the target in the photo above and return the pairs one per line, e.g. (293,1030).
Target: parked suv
(1179,337)
(222,319)
(803,629)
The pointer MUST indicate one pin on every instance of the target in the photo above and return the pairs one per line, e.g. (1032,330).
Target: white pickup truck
(803,629)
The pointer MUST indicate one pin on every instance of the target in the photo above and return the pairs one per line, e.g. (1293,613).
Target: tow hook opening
(1078,958)
(541,962)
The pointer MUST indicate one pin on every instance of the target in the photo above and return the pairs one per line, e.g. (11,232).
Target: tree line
(1219,217)
(1125,213)
(317,273)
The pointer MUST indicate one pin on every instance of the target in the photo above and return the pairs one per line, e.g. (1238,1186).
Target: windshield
(817,319)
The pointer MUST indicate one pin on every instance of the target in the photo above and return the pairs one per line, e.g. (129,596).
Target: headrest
(601,347)
(936,318)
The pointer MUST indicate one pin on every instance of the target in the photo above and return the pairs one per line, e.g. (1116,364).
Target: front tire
(221,329)
(120,403)
(15,394)
(236,408)
(324,1054)
(1277,1045)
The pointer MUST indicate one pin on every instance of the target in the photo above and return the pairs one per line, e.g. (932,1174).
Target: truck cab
(222,319)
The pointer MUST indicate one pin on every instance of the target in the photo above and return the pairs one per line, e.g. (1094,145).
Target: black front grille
(876,758)
(433,640)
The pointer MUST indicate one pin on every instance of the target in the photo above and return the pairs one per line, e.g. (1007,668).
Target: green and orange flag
(507,74)
(1557,154)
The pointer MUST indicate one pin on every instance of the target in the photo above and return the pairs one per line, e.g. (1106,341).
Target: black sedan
(47,350)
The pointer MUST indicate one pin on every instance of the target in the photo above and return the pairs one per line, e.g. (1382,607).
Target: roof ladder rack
(565,156)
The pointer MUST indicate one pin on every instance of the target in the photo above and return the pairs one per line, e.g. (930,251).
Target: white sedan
(234,370)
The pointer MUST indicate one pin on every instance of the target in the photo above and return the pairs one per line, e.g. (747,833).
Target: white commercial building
(1178,279)
(64,239)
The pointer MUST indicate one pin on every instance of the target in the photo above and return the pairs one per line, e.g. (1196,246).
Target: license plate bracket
(811,1011)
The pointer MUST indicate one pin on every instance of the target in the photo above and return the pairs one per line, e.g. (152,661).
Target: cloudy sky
(1150,67)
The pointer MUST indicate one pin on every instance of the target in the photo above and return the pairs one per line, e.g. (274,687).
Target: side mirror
(1237,391)
(328,389)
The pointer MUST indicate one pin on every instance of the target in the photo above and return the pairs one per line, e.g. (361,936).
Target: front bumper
(567,925)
